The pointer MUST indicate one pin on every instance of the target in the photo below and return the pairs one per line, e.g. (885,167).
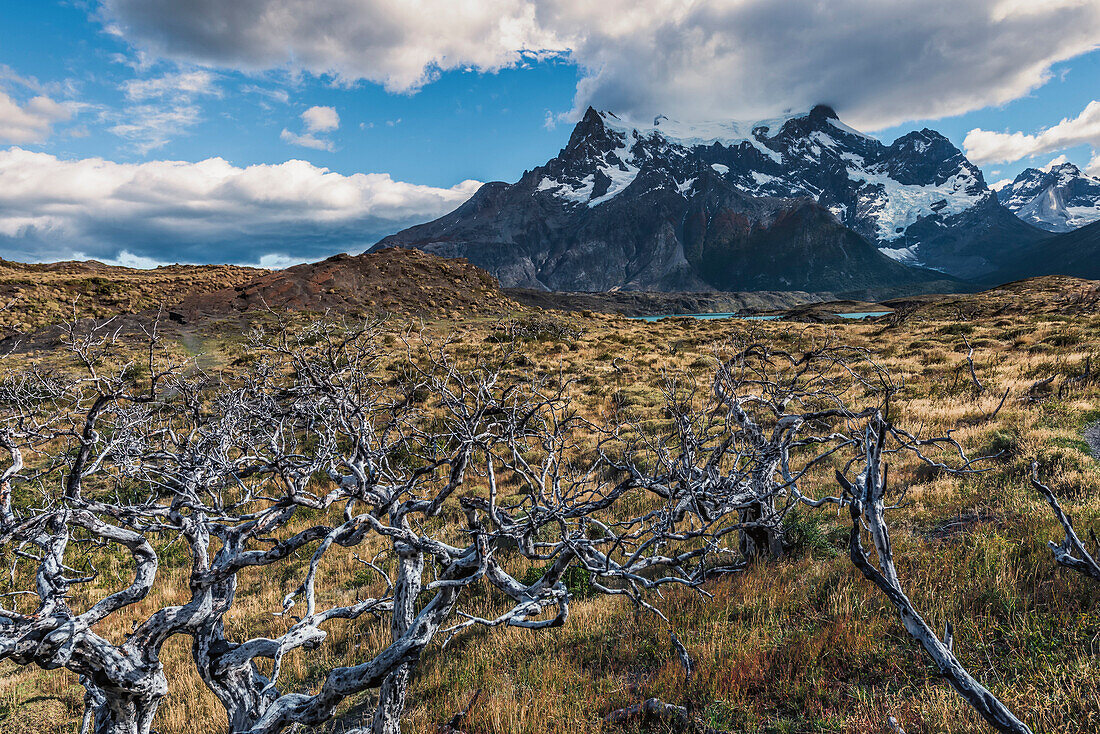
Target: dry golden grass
(804,644)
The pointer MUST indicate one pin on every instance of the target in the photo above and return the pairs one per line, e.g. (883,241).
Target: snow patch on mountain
(896,206)
(1079,216)
(579,194)
(621,177)
(850,130)
(905,255)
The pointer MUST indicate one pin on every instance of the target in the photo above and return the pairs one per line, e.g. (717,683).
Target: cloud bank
(209,211)
(397,43)
(878,63)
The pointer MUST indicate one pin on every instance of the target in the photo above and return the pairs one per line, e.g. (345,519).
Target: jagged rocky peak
(926,156)
(592,136)
(1058,199)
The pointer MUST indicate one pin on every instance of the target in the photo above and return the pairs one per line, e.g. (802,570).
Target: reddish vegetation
(392,280)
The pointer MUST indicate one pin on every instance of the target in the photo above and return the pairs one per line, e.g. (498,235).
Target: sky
(270,132)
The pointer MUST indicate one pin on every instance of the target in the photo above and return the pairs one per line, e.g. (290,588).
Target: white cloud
(316,120)
(165,107)
(1093,168)
(276,261)
(877,63)
(127,259)
(1057,161)
(152,126)
(274,94)
(306,140)
(209,211)
(321,119)
(124,259)
(31,122)
(184,84)
(987,146)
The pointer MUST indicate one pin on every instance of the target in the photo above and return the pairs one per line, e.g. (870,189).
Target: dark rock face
(1059,200)
(799,203)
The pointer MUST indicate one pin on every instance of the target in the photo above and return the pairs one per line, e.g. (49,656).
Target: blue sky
(108,108)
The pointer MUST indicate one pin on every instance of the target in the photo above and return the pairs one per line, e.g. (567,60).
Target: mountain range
(802,202)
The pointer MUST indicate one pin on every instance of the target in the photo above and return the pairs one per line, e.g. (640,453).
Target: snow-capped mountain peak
(1059,199)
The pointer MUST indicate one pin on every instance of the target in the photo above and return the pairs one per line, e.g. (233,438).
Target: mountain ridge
(1075,253)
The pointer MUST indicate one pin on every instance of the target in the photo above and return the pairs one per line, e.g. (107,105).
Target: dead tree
(463,432)
(1071,552)
(979,388)
(866,500)
(438,472)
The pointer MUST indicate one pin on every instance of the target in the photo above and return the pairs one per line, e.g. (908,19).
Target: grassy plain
(802,644)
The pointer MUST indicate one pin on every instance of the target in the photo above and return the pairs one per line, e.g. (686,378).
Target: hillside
(971,548)
(1075,253)
(390,281)
(1059,297)
(40,294)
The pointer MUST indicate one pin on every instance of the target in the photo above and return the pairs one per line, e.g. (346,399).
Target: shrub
(577,580)
(805,533)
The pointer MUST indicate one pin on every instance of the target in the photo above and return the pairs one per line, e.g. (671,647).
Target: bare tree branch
(1072,552)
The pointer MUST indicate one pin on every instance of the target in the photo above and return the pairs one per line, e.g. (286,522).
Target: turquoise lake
(708,316)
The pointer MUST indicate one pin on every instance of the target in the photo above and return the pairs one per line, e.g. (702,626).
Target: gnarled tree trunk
(761,536)
(391,697)
(130,711)
(238,686)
